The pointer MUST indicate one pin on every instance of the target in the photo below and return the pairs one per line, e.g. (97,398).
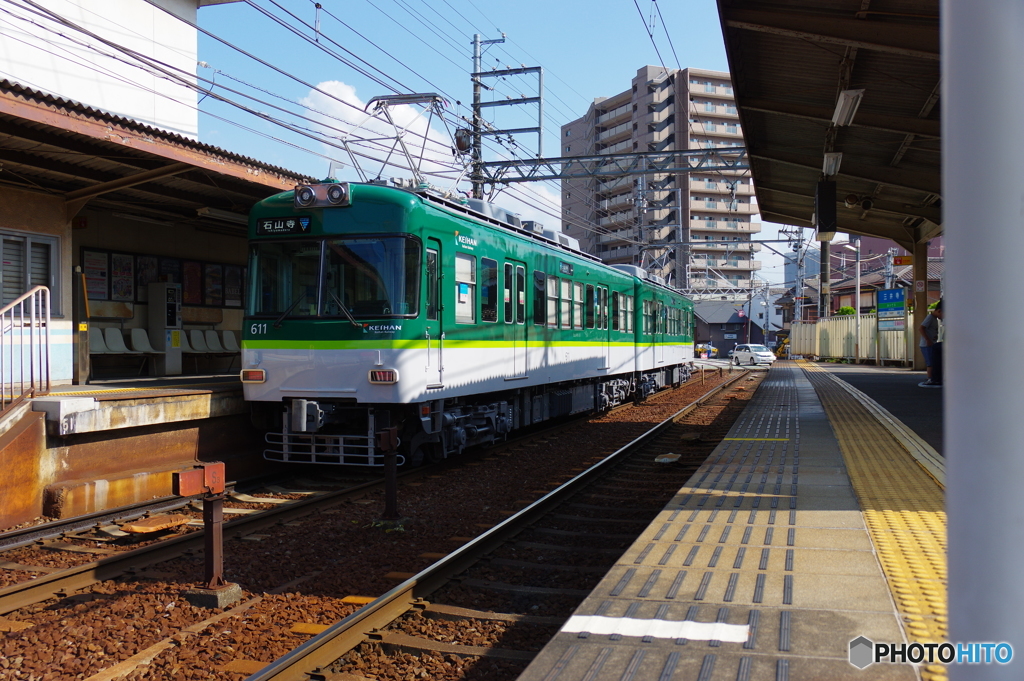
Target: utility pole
(478,156)
(478,132)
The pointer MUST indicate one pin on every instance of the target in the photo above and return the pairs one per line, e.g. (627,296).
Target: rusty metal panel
(189,483)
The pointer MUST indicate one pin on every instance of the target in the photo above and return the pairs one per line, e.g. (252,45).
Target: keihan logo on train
(381,328)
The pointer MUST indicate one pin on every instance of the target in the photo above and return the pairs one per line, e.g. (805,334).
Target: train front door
(514,299)
(434,316)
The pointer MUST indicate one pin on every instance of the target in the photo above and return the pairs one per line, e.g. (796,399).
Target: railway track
(490,584)
(80,537)
(88,549)
(302,573)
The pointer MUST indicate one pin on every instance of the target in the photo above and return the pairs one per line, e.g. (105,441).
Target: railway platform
(818,520)
(86,448)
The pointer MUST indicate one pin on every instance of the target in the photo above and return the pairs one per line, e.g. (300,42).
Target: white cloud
(372,138)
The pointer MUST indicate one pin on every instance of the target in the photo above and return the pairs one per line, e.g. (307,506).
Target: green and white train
(372,306)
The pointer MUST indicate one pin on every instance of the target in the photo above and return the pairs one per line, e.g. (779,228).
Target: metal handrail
(18,357)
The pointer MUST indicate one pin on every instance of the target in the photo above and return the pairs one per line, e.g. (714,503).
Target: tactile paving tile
(766,539)
(904,510)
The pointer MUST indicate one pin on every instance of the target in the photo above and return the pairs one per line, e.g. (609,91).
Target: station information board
(892,309)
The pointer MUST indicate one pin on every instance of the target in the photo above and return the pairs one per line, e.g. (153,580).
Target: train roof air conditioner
(633,270)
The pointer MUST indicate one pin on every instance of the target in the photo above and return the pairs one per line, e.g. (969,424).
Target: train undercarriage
(342,432)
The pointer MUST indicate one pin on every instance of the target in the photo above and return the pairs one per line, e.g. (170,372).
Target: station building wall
(125,236)
(34,231)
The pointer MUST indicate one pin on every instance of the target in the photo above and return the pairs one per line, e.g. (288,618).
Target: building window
(30,260)
(568,149)
(568,133)
(709,106)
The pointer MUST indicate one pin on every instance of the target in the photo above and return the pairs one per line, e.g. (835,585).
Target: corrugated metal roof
(65,148)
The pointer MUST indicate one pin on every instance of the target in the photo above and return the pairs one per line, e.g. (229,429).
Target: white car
(752,354)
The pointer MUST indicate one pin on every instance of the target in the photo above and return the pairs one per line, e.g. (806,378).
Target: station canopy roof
(87,156)
(791,59)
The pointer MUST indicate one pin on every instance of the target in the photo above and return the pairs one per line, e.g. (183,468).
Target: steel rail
(306,662)
(65,582)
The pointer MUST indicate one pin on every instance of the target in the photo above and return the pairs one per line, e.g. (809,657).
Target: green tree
(845,310)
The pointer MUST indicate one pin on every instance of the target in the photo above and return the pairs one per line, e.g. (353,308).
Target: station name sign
(290,225)
(892,309)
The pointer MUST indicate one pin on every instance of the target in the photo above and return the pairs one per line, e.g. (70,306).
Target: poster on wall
(232,286)
(213,284)
(122,277)
(191,283)
(170,270)
(94,264)
(147,271)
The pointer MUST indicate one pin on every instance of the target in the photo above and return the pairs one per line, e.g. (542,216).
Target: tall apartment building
(694,230)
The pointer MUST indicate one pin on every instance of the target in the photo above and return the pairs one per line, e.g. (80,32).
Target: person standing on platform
(931,348)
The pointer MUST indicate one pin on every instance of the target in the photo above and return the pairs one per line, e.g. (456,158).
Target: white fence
(834,338)
(25,347)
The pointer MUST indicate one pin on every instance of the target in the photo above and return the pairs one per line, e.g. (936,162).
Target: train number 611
(257,329)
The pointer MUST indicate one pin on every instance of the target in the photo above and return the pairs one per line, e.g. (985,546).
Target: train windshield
(372,277)
(285,277)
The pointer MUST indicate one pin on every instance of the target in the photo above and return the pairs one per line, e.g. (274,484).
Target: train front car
(371,306)
(335,288)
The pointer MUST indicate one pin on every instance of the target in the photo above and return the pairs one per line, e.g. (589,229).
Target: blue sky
(587,49)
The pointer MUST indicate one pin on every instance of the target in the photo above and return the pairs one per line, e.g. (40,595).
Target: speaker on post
(825,209)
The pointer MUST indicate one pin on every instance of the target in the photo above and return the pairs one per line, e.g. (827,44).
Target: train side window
(520,294)
(538,298)
(577,305)
(630,309)
(506,293)
(602,307)
(465,288)
(645,322)
(565,312)
(615,310)
(488,290)
(590,306)
(552,297)
(431,284)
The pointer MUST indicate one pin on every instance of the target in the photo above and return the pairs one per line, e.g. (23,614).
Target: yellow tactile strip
(904,509)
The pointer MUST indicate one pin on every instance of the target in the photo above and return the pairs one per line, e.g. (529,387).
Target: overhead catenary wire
(167,71)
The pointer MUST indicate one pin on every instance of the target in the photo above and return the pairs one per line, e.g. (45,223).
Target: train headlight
(383,376)
(253,376)
(304,196)
(337,194)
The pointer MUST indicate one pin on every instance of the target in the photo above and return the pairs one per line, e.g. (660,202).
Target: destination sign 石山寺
(291,225)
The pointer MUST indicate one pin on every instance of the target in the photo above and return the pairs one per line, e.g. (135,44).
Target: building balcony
(614,116)
(721,207)
(725,226)
(619,184)
(717,91)
(697,246)
(698,283)
(718,187)
(618,238)
(697,109)
(620,148)
(727,264)
(616,133)
(623,218)
(619,254)
(617,202)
